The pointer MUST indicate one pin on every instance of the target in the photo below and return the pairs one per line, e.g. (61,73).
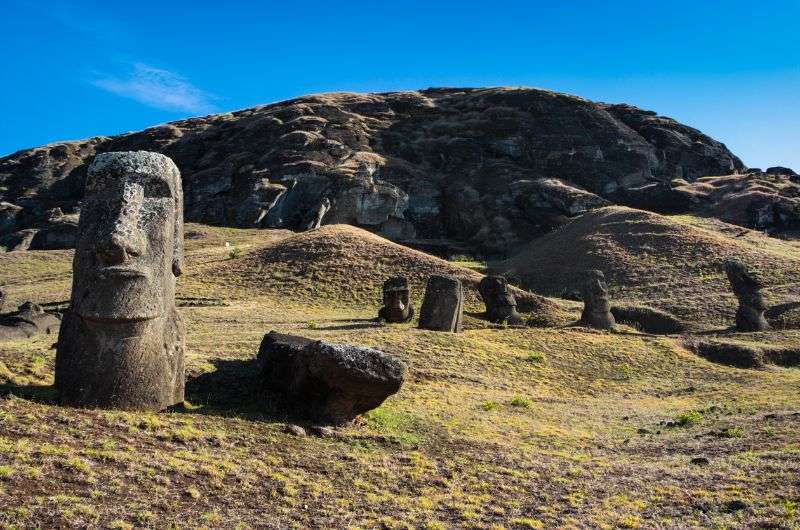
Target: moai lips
(122,342)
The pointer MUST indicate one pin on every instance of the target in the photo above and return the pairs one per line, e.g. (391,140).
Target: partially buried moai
(501,306)
(121,343)
(747,288)
(596,305)
(443,306)
(396,301)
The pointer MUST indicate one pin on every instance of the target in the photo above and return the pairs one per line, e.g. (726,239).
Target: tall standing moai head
(443,306)
(596,305)
(501,306)
(747,288)
(396,301)
(122,341)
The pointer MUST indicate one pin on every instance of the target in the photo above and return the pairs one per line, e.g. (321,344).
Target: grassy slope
(670,262)
(515,428)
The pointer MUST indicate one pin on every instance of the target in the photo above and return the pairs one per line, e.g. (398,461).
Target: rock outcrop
(327,383)
(121,343)
(486,167)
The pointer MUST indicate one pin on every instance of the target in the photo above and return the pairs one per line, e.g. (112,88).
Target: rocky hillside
(488,168)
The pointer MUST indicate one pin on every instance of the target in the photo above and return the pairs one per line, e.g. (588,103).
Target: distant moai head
(396,301)
(747,289)
(596,305)
(501,306)
(2,300)
(130,242)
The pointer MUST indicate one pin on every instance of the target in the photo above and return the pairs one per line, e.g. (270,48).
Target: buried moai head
(501,306)
(396,301)
(443,305)
(747,289)
(130,243)
(596,305)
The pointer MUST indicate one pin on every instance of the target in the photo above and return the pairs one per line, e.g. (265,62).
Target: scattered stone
(747,288)
(322,431)
(700,461)
(122,341)
(327,383)
(397,306)
(295,430)
(443,306)
(596,305)
(642,430)
(501,306)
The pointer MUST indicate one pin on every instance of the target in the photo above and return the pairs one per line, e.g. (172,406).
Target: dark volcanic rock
(487,167)
(443,306)
(327,383)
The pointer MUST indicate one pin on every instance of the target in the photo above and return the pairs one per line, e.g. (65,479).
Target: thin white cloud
(158,88)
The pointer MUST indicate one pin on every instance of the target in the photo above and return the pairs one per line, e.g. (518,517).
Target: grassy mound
(342,264)
(673,263)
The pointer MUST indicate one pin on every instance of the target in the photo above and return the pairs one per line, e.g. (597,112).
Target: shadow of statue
(45,394)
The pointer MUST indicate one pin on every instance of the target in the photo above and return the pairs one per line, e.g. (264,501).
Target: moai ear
(177,249)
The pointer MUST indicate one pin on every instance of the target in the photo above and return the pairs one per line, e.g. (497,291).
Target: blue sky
(74,69)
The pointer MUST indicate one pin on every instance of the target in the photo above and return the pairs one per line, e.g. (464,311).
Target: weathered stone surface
(122,341)
(596,305)
(747,289)
(27,321)
(397,306)
(501,306)
(443,306)
(490,168)
(327,383)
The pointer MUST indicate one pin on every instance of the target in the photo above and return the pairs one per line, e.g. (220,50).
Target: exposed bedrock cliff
(489,168)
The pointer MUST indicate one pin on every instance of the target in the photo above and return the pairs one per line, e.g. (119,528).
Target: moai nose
(117,249)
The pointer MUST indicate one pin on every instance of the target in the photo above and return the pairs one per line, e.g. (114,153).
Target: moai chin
(397,306)
(121,343)
(596,305)
(747,288)
(443,305)
(501,306)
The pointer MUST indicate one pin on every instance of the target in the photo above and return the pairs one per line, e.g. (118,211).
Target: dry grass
(496,428)
(671,263)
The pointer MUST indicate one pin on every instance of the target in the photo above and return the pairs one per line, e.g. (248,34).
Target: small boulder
(327,383)
(443,306)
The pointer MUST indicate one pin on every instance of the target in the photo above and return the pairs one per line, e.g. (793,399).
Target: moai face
(500,303)
(130,241)
(396,300)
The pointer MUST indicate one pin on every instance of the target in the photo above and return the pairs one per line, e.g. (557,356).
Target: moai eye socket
(157,188)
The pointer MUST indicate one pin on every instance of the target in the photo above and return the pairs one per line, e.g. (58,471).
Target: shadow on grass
(233,389)
(39,393)
(358,324)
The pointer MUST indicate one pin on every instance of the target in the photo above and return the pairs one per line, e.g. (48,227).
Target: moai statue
(2,300)
(396,301)
(122,341)
(596,306)
(501,306)
(443,305)
(747,288)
